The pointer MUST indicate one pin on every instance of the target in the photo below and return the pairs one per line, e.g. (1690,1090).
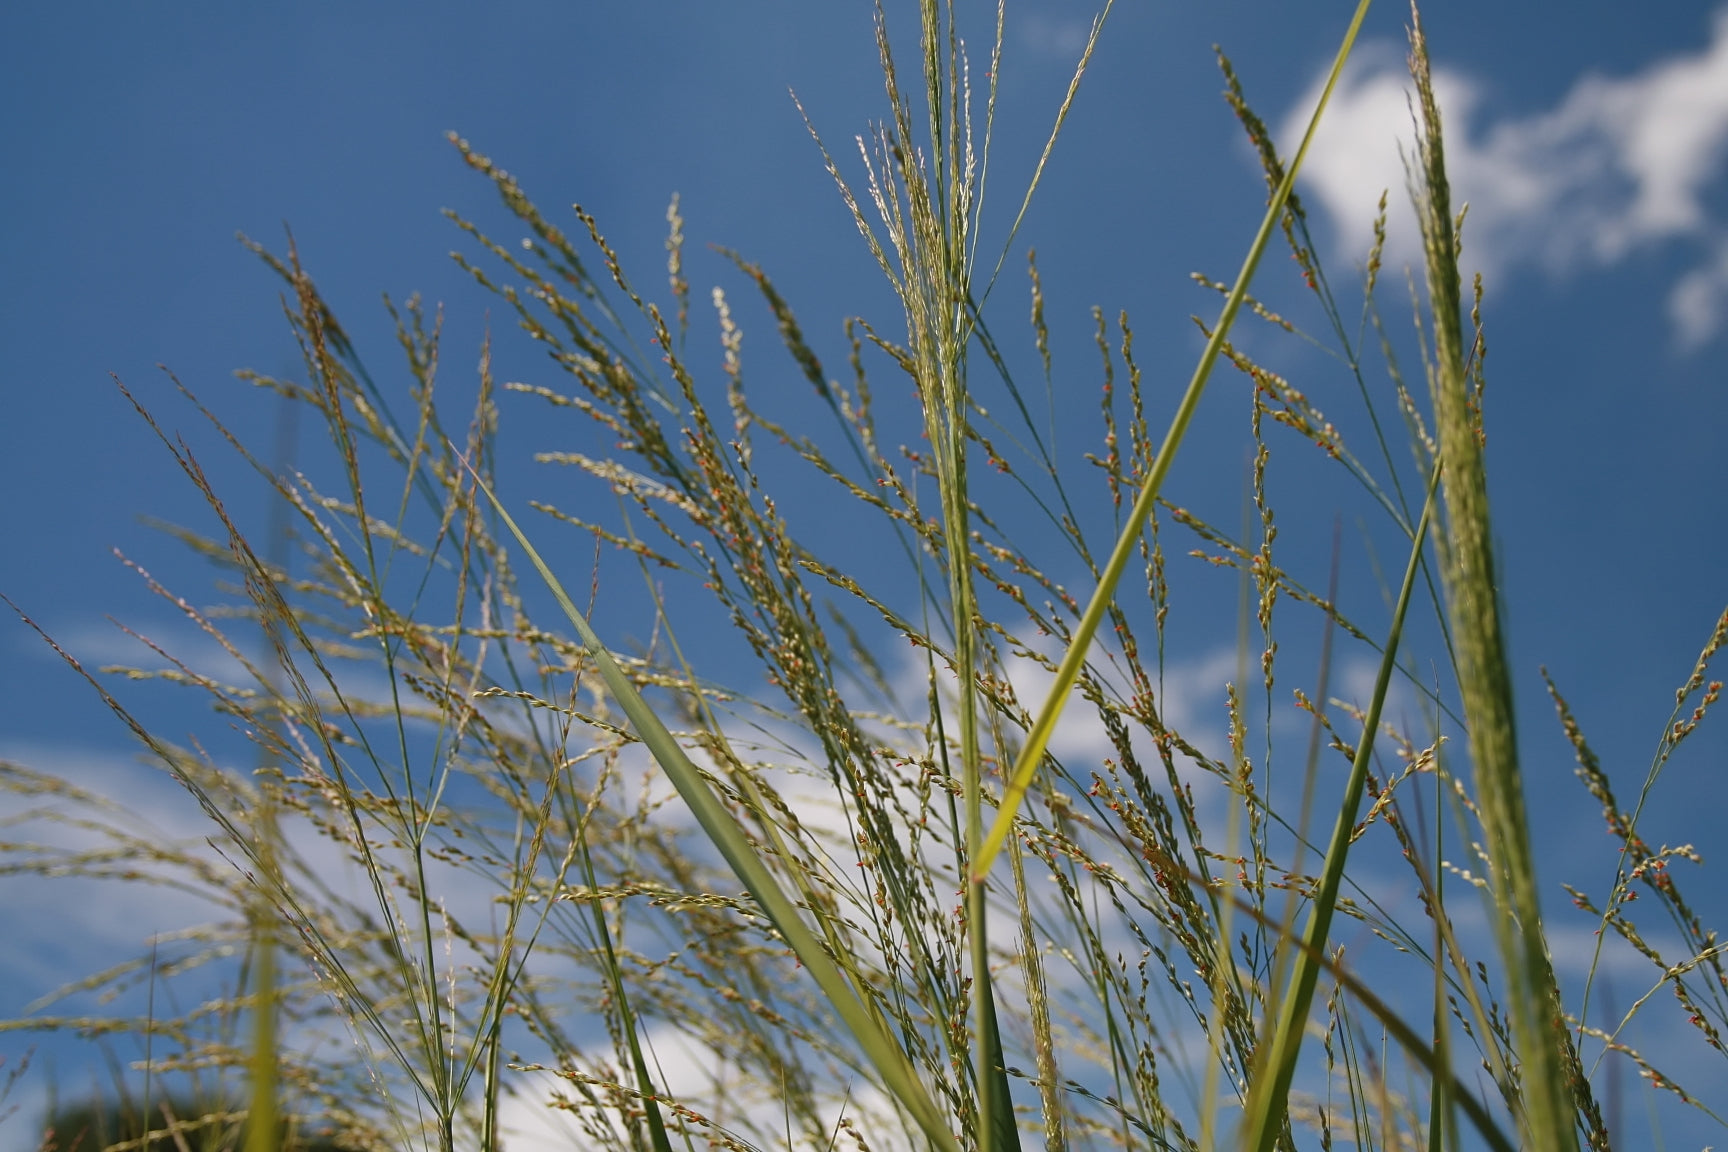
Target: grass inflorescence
(488,860)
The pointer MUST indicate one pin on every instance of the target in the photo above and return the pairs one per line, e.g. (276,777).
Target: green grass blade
(1406,1037)
(1276,1066)
(1038,738)
(734,846)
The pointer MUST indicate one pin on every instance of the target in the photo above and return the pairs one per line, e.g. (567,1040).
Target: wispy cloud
(66,925)
(1618,166)
(1053,36)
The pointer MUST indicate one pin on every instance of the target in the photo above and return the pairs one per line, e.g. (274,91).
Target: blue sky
(1591,143)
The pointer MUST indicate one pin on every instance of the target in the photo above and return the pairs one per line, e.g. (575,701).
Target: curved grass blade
(729,838)
(1277,1063)
(1038,738)
(1407,1038)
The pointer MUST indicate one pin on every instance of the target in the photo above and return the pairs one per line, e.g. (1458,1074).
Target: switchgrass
(521,870)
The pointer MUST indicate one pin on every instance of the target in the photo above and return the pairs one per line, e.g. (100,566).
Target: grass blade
(1406,1037)
(1038,738)
(1277,1065)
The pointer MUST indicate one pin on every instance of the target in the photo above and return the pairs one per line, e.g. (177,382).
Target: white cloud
(1058,37)
(1695,305)
(1572,947)
(1617,166)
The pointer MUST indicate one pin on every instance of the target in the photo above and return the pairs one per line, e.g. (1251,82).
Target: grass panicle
(657,821)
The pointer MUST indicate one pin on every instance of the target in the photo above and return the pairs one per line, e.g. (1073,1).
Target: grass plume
(507,848)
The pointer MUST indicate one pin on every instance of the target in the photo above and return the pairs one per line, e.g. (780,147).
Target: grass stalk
(263,1118)
(1484,671)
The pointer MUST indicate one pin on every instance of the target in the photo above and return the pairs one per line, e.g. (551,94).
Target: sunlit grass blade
(734,846)
(1276,1063)
(1068,672)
